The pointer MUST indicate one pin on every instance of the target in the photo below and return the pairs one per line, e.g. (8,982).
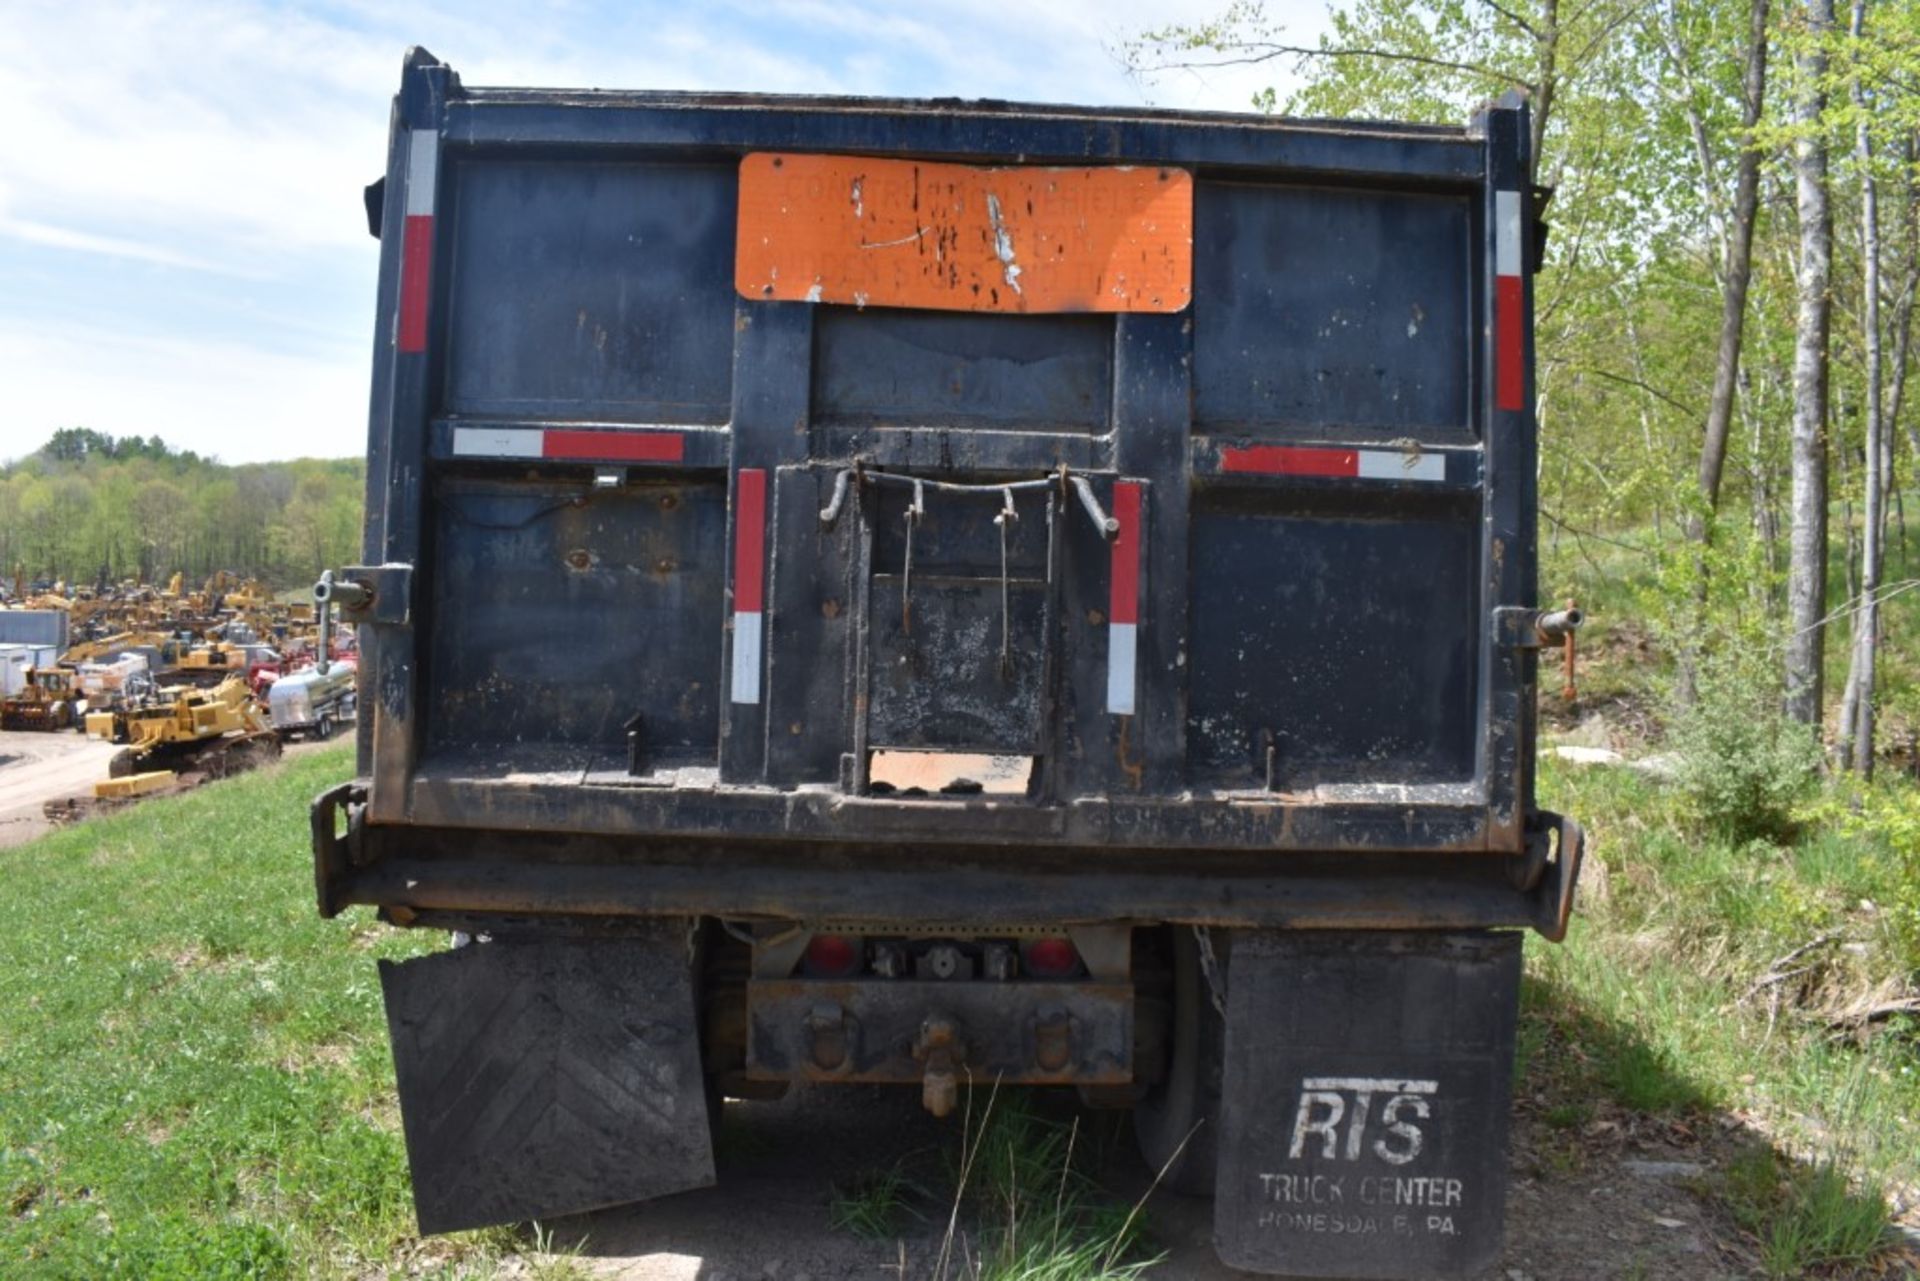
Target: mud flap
(1364,1108)
(548,1077)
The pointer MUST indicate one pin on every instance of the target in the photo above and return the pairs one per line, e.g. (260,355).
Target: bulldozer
(47,702)
(218,731)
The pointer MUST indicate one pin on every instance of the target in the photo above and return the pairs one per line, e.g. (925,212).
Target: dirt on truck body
(941,592)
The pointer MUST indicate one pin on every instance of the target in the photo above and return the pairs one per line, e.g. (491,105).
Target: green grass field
(194,1077)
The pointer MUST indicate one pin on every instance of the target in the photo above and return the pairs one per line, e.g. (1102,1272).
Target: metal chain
(1004,519)
(1210,966)
(914,513)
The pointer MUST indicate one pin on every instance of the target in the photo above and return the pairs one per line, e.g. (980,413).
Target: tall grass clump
(1037,1215)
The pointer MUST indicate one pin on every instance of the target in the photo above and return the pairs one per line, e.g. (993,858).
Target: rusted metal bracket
(1518,627)
(336,852)
(388,599)
(1554,885)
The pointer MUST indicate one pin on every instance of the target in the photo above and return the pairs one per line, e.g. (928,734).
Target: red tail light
(1051,958)
(832,956)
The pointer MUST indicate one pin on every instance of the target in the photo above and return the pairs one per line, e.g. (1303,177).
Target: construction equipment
(216,731)
(47,702)
(1180,467)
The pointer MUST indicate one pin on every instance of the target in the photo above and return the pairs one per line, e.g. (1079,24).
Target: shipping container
(34,627)
(864,590)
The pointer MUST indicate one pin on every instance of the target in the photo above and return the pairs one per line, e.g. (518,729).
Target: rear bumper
(433,874)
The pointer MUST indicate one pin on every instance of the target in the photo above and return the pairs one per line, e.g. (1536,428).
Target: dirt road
(36,768)
(1624,1209)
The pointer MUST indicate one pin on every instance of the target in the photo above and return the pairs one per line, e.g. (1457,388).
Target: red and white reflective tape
(1364,464)
(416,244)
(578,444)
(1509,301)
(1123,601)
(749,581)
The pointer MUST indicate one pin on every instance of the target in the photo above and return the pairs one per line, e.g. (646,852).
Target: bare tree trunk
(1866,618)
(1807,558)
(1903,306)
(1903,337)
(1739,268)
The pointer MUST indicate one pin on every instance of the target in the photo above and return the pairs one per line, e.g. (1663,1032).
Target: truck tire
(1177,1123)
(323,728)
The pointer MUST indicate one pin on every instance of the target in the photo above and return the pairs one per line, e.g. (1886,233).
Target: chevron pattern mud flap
(1364,1107)
(541,1078)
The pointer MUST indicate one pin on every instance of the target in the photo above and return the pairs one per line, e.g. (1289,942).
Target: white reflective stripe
(1506,233)
(423,163)
(746,658)
(1393,464)
(497,442)
(1370,1085)
(1122,642)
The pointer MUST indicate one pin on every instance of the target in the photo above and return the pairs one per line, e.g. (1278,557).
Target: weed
(1804,1217)
(875,1205)
(1039,1217)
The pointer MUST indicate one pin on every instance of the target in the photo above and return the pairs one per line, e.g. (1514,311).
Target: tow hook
(1053,1039)
(827,1036)
(940,1051)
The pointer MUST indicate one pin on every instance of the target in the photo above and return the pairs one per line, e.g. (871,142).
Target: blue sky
(182,245)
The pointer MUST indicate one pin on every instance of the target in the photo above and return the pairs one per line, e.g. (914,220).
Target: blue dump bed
(908,513)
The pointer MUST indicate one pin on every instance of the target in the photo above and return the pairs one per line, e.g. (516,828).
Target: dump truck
(954,594)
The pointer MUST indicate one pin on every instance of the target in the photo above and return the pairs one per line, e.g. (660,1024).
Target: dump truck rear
(949,593)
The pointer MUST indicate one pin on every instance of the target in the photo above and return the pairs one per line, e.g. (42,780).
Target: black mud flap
(1364,1109)
(548,1077)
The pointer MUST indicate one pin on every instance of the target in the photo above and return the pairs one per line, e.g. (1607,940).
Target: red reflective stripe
(1124,601)
(626,446)
(416,268)
(1509,373)
(1284,460)
(750,540)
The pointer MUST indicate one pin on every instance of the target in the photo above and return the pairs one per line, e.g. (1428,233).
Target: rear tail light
(832,956)
(1051,958)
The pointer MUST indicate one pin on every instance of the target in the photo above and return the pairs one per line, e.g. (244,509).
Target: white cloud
(223,144)
(37,233)
(240,402)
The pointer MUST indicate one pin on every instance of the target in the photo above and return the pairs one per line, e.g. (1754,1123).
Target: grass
(1806,1217)
(1668,1001)
(1023,1207)
(876,1205)
(194,1079)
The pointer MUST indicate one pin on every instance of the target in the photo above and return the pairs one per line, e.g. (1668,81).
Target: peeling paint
(1003,243)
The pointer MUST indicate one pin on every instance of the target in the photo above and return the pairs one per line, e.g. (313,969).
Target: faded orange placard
(911,233)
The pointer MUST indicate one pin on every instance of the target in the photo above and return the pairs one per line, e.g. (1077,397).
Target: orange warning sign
(910,233)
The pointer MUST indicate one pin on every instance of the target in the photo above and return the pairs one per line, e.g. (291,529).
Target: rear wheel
(1176,1124)
(323,728)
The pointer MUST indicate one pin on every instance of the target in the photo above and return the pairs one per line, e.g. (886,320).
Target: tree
(1807,554)
(1738,253)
